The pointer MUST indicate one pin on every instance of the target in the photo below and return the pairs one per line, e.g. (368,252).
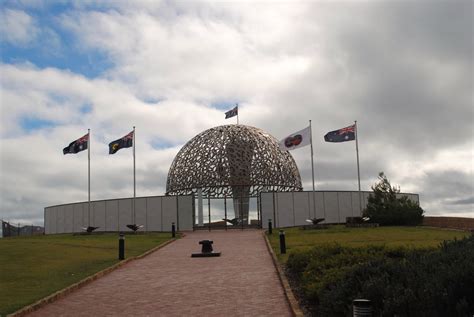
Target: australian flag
(232,113)
(77,146)
(126,141)
(341,135)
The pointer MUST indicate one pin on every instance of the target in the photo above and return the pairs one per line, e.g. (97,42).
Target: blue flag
(232,113)
(341,135)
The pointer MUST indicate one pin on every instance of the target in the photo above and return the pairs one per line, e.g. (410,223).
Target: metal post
(358,170)
(134,178)
(269,226)
(121,246)
(89,177)
(282,242)
(173,230)
(312,168)
(225,212)
(209,213)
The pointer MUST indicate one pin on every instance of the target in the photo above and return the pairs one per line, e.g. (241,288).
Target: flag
(296,140)
(232,113)
(77,146)
(341,135)
(126,141)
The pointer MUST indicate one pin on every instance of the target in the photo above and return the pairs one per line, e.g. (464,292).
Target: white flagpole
(312,167)
(237,113)
(89,176)
(134,178)
(358,170)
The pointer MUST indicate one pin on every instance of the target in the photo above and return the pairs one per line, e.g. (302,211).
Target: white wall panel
(60,217)
(125,213)
(267,208)
(153,214)
(332,207)
(356,207)
(54,220)
(140,213)
(185,213)
(285,214)
(78,211)
(169,212)
(345,206)
(301,211)
(111,215)
(47,220)
(98,215)
(68,213)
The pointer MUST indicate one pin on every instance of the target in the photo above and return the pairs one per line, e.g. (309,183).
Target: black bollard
(173,230)
(361,308)
(282,242)
(269,226)
(121,246)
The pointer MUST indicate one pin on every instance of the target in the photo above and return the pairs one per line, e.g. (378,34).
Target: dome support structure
(233,161)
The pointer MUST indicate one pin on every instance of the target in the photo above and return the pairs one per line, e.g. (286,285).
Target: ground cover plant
(413,237)
(410,276)
(34,267)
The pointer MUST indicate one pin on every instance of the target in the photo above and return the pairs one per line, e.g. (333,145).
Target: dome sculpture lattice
(232,161)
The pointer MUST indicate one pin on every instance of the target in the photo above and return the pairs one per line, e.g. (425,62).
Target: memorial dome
(232,160)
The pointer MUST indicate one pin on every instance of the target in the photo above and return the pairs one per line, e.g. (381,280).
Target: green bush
(401,282)
(384,208)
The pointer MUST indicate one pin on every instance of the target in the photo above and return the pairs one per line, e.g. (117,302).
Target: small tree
(385,208)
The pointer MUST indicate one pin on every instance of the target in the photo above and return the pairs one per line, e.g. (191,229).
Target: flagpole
(358,169)
(89,176)
(134,178)
(312,167)
(237,113)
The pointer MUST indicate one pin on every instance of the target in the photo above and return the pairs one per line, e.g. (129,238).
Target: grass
(35,267)
(413,237)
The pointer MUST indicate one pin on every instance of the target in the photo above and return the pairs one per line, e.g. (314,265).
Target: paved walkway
(168,282)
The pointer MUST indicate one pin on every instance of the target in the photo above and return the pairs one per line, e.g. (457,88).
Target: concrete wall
(294,208)
(154,213)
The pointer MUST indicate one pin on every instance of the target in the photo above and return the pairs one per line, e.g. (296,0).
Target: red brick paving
(168,282)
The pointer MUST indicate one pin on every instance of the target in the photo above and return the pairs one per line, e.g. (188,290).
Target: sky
(402,69)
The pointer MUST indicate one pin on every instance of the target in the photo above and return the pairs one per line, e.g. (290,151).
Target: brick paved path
(168,282)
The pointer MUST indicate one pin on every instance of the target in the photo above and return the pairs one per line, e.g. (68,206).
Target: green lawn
(34,267)
(415,237)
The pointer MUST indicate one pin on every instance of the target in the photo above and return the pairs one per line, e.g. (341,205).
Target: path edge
(290,296)
(69,289)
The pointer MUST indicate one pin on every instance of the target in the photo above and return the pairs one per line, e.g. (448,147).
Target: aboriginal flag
(126,141)
(341,135)
(232,113)
(77,146)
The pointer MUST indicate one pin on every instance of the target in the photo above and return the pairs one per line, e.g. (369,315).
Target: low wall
(290,209)
(450,222)
(155,213)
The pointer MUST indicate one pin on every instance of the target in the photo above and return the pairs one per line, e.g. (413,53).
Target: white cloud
(284,63)
(17,27)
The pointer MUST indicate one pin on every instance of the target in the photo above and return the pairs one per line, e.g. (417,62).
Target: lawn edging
(65,291)
(294,305)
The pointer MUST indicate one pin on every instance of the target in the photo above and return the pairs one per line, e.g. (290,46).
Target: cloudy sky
(402,69)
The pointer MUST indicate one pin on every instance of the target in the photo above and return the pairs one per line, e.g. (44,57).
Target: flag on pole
(296,140)
(77,146)
(232,113)
(124,142)
(341,135)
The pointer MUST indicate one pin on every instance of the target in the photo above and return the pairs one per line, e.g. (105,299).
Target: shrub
(402,282)
(384,208)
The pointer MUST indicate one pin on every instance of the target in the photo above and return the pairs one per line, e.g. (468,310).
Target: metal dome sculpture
(235,161)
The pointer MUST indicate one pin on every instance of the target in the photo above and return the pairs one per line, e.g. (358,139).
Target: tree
(385,208)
